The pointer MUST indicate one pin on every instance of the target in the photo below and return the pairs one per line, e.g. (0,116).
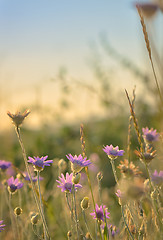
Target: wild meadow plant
(80,209)
(139,193)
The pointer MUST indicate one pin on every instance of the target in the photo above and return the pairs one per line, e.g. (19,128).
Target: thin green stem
(116,179)
(114,171)
(30,177)
(41,205)
(85,221)
(156,81)
(11,216)
(90,186)
(76,218)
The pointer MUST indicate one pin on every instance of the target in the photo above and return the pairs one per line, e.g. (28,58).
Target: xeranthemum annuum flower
(39,163)
(113,152)
(14,184)
(150,135)
(99,214)
(78,162)
(66,184)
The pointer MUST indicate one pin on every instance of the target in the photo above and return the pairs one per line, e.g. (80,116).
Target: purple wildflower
(13,185)
(113,230)
(119,194)
(150,135)
(4,165)
(39,163)
(34,179)
(66,184)
(113,152)
(98,213)
(78,162)
(2,226)
(157,178)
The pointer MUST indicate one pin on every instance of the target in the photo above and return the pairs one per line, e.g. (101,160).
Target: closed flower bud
(99,176)
(34,218)
(18,211)
(88,236)
(69,234)
(85,203)
(62,165)
(76,178)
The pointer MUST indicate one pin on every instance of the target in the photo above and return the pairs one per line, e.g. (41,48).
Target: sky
(38,37)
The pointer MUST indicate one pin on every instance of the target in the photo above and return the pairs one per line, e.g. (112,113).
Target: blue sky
(38,37)
(52,33)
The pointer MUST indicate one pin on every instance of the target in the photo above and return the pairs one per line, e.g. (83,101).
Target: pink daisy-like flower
(78,162)
(150,135)
(98,214)
(2,226)
(4,165)
(39,163)
(157,178)
(14,184)
(66,184)
(113,152)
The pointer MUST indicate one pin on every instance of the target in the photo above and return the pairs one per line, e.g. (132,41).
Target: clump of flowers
(99,214)
(4,165)
(34,179)
(39,163)
(18,118)
(2,226)
(128,169)
(66,184)
(112,229)
(113,152)
(150,135)
(14,184)
(78,162)
(157,178)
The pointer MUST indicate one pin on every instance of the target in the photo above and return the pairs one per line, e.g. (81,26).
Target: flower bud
(76,178)
(85,203)
(34,218)
(69,234)
(99,176)
(88,236)
(18,211)
(62,165)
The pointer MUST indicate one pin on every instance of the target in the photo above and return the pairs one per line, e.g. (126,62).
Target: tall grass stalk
(30,177)
(149,51)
